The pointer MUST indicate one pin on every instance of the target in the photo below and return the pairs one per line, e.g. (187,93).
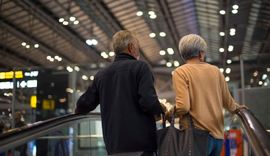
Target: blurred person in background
(201,90)
(128,101)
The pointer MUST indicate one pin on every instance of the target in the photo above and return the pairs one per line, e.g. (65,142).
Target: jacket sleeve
(89,100)
(147,94)
(228,102)
(180,85)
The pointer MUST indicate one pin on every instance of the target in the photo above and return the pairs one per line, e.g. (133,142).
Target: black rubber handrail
(31,132)
(257,136)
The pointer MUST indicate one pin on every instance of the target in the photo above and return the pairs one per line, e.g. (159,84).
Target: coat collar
(124,56)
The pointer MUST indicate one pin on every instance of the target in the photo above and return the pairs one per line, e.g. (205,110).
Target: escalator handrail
(257,136)
(20,136)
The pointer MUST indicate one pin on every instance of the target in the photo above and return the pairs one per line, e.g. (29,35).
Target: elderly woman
(201,90)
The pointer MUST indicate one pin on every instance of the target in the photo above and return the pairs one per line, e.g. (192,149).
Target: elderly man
(128,100)
(201,90)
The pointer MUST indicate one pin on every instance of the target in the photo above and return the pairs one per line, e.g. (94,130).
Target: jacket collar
(124,56)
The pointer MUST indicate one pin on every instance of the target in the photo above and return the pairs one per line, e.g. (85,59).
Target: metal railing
(257,136)
(20,136)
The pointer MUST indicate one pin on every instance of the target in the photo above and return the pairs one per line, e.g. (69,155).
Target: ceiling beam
(105,19)
(44,16)
(23,36)
(169,25)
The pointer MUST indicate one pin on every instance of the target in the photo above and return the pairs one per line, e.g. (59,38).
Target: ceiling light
(227,78)
(69,69)
(94,41)
(89,42)
(176,63)
(36,45)
(265,84)
(49,57)
(153,16)
(105,56)
(27,46)
(61,20)
(260,82)
(232,30)
(170,51)
(229,61)
(168,64)
(221,70)
(72,18)
(77,68)
(139,13)
(221,50)
(76,22)
(162,52)
(235,7)
(111,53)
(230,48)
(162,34)
(152,35)
(264,76)
(23,44)
(228,70)
(234,11)
(172,72)
(65,23)
(151,12)
(91,78)
(268,69)
(222,33)
(56,57)
(103,53)
(84,77)
(59,59)
(222,12)
(232,33)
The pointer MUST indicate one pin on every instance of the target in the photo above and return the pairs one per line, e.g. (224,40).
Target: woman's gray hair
(191,45)
(121,40)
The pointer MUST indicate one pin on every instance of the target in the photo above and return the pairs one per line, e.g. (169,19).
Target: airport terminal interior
(50,51)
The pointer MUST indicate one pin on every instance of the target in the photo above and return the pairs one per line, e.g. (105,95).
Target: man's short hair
(121,40)
(191,45)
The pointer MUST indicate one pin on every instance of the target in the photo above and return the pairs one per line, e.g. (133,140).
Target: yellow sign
(48,104)
(9,75)
(33,101)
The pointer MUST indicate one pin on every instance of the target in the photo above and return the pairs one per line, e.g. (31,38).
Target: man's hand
(167,117)
(163,107)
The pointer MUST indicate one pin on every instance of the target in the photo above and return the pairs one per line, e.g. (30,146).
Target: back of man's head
(121,40)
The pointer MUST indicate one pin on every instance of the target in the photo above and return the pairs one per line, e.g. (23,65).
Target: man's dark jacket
(128,101)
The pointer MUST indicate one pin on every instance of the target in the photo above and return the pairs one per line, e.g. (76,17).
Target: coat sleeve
(89,100)
(147,94)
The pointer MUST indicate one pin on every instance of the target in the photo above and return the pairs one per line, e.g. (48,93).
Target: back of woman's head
(121,40)
(191,45)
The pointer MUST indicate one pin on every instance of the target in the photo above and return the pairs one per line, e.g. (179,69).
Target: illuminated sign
(33,101)
(48,104)
(9,75)
(31,74)
(18,74)
(20,84)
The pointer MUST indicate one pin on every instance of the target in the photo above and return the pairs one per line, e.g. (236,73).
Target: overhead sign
(18,74)
(20,84)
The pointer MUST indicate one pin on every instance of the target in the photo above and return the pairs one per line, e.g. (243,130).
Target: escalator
(79,135)
(66,135)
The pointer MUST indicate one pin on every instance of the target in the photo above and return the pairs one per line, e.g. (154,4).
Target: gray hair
(191,45)
(121,40)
